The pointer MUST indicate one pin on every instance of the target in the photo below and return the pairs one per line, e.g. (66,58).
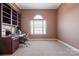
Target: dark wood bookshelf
(14,17)
(6,13)
(9,18)
(6,17)
(6,20)
(19,20)
(6,5)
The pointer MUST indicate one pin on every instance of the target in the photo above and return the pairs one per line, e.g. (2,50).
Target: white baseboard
(42,39)
(75,49)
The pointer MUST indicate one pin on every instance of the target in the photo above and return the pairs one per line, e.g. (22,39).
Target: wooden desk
(10,44)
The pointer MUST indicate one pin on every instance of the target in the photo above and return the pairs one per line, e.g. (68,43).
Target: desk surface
(13,36)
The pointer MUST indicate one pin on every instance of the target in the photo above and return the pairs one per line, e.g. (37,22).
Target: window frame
(42,27)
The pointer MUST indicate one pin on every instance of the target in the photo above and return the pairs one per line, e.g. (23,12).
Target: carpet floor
(45,48)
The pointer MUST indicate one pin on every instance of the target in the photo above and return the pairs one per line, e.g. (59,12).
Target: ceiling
(38,5)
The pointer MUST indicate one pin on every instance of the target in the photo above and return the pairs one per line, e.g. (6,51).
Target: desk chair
(24,40)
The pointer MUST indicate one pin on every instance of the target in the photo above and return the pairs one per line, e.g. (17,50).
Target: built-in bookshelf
(19,20)
(6,13)
(14,17)
(10,18)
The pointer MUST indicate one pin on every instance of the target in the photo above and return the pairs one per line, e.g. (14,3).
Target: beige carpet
(45,48)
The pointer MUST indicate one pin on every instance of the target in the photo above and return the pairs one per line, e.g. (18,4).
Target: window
(38,25)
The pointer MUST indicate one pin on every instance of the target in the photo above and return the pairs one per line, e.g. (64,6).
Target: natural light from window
(38,25)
